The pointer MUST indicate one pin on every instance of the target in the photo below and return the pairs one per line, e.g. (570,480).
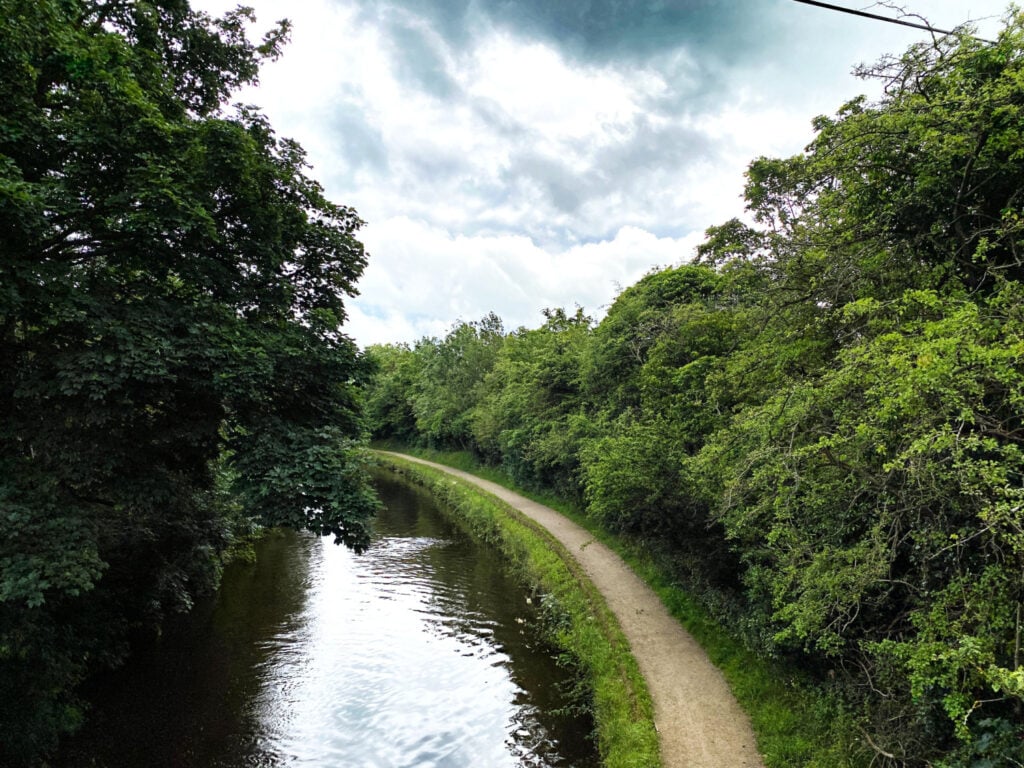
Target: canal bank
(700,724)
(588,630)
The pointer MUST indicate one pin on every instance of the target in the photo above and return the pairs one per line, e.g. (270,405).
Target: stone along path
(699,723)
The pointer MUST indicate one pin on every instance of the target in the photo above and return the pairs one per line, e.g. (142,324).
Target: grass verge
(582,624)
(796,723)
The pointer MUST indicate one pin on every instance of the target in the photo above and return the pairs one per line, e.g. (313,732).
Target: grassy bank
(581,622)
(796,722)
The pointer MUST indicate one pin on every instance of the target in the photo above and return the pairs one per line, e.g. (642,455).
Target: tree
(873,487)
(171,294)
(530,402)
(668,338)
(636,320)
(389,394)
(878,512)
(451,372)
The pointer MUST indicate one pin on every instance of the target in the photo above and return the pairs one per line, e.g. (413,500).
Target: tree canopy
(172,367)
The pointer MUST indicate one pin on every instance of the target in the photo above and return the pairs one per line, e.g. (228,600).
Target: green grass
(577,616)
(796,722)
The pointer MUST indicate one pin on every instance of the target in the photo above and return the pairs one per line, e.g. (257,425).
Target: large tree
(171,360)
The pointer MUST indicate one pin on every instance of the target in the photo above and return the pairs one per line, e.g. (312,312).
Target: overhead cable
(878,17)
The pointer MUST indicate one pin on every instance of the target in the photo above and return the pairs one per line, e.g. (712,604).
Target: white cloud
(561,103)
(498,171)
(423,278)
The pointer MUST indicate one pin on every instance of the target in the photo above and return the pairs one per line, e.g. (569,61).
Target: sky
(517,155)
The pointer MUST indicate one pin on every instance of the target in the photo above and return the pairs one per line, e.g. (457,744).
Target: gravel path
(699,723)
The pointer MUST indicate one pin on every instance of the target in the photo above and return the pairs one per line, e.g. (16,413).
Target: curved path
(699,723)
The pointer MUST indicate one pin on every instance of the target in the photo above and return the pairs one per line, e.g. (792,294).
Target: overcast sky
(512,155)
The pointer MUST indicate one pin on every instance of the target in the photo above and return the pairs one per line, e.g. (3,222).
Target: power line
(889,19)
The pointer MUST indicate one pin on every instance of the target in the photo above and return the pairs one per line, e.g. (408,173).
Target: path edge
(623,709)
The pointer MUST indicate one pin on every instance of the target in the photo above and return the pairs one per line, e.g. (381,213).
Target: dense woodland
(819,421)
(172,372)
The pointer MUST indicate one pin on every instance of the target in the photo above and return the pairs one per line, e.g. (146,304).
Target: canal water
(422,653)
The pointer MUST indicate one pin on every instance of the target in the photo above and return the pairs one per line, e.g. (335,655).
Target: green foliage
(171,292)
(874,493)
(640,316)
(389,410)
(819,425)
(451,372)
(527,415)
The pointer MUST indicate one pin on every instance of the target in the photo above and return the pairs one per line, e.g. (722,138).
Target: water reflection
(422,652)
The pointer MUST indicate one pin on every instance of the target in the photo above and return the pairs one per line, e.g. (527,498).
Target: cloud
(612,30)
(512,155)
(358,143)
(418,269)
(421,58)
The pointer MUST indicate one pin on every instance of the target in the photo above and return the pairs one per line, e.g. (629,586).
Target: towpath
(699,723)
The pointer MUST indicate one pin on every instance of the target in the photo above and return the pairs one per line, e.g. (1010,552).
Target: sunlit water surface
(422,652)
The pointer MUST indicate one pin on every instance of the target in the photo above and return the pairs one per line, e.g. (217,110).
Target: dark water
(422,652)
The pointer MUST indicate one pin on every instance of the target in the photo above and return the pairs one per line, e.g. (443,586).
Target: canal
(422,652)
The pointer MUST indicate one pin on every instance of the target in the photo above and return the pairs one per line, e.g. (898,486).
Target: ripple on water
(385,671)
(419,653)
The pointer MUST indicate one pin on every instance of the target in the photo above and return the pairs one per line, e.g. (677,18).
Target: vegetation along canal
(424,651)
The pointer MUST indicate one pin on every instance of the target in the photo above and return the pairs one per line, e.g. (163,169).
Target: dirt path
(699,723)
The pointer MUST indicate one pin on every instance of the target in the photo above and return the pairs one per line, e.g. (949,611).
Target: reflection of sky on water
(396,660)
(371,679)
(422,652)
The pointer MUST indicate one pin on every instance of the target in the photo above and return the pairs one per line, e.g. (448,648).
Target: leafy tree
(636,320)
(919,191)
(528,415)
(451,372)
(872,488)
(171,291)
(683,323)
(877,510)
(389,404)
